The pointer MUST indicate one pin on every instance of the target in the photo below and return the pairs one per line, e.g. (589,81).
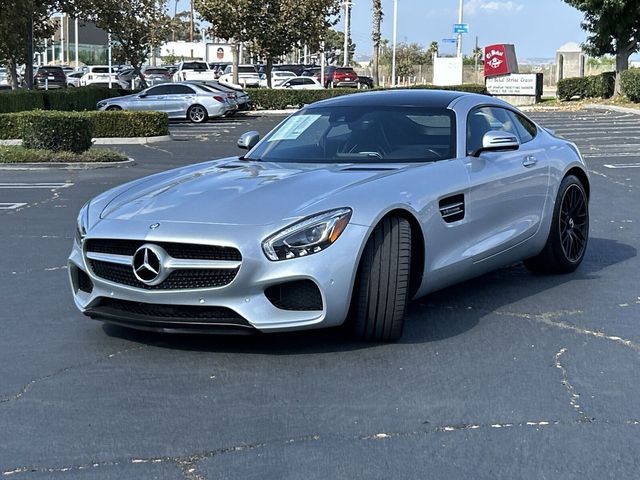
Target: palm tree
(433,50)
(376,36)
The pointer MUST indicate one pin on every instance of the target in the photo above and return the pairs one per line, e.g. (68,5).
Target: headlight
(82,223)
(308,236)
(101,104)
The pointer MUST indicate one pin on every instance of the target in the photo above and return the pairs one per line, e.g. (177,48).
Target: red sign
(500,59)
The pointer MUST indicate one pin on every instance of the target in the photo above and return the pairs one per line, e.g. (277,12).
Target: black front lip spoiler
(167,325)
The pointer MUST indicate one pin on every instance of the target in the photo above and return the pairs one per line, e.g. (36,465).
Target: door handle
(529,161)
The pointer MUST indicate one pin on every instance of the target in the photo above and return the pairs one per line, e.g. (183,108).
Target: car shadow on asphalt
(429,319)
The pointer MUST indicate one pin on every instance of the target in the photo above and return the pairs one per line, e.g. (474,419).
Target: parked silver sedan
(178,100)
(343,213)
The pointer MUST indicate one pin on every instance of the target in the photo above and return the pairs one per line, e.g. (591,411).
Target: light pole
(347,4)
(76,41)
(460,20)
(395,38)
(109,58)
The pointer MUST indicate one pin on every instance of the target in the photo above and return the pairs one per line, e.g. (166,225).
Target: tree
(613,27)
(408,56)
(333,46)
(433,50)
(271,28)
(376,36)
(180,28)
(136,26)
(17,39)
(230,20)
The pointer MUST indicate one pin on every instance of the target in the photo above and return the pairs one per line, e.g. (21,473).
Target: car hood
(234,192)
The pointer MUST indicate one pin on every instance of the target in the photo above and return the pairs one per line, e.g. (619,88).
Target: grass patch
(27,155)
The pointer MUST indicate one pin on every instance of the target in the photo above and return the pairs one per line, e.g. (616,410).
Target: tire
(113,108)
(569,234)
(197,114)
(381,289)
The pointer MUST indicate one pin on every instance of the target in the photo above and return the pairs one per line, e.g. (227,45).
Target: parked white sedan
(301,83)
(278,77)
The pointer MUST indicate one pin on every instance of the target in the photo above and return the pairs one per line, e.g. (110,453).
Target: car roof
(389,98)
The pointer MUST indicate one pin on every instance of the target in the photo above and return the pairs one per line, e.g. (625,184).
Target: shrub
(630,83)
(20,100)
(129,124)
(276,99)
(68,99)
(77,99)
(597,86)
(56,131)
(103,124)
(10,126)
(25,155)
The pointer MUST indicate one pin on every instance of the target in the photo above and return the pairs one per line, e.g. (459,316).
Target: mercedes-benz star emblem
(147,264)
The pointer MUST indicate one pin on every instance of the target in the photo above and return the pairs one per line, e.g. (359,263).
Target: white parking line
(11,206)
(50,186)
(623,165)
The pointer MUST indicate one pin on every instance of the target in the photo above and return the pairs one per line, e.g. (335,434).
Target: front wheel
(381,290)
(197,114)
(113,108)
(569,234)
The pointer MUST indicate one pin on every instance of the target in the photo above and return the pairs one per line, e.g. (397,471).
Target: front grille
(112,307)
(298,295)
(176,250)
(177,280)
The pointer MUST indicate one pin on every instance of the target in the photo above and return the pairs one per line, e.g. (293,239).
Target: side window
(485,119)
(296,81)
(527,130)
(307,81)
(157,91)
(177,90)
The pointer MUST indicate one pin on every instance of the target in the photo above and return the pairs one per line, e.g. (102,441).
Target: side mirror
(497,141)
(248,140)
(143,95)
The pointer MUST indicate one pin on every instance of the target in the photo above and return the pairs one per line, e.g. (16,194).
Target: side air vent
(452,208)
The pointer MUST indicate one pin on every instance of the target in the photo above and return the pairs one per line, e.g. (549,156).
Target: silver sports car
(346,211)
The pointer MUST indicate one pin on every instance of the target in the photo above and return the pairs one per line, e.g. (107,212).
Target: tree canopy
(613,27)
(272,28)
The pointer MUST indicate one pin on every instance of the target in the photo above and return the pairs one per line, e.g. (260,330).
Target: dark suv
(49,77)
(334,76)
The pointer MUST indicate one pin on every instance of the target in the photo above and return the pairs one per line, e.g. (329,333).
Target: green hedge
(597,86)
(277,99)
(103,124)
(630,84)
(56,131)
(25,155)
(129,124)
(68,99)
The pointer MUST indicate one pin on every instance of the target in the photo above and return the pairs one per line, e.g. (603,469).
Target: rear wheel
(569,235)
(197,114)
(381,290)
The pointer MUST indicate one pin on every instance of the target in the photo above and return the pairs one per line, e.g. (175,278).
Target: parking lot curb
(613,108)
(67,165)
(258,113)
(106,141)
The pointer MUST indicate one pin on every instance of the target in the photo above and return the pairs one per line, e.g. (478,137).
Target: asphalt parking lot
(512,375)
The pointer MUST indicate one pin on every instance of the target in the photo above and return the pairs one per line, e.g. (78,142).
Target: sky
(536,27)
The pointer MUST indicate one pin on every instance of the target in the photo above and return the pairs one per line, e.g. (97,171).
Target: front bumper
(247,307)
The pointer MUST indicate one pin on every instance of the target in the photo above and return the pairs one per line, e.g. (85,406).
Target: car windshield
(361,134)
(100,69)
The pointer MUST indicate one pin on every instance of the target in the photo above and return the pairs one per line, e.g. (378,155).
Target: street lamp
(395,38)
(460,20)
(346,4)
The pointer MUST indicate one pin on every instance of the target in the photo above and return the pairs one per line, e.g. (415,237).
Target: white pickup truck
(194,71)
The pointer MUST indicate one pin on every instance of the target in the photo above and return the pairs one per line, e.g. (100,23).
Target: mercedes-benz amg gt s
(344,212)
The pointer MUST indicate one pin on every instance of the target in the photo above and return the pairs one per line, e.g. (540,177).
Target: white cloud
(474,6)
